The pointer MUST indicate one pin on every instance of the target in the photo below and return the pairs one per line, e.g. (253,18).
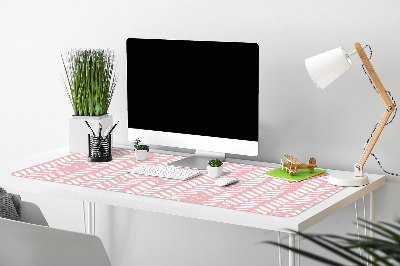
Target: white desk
(297,223)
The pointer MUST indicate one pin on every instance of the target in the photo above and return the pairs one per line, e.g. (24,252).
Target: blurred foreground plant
(381,251)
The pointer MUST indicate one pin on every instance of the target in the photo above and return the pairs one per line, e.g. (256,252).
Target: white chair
(32,243)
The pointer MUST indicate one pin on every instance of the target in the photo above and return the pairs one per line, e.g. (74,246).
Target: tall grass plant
(91,80)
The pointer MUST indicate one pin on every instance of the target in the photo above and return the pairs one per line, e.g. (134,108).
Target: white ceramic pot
(78,131)
(141,155)
(214,171)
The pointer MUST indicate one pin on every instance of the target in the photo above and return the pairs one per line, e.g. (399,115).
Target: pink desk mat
(253,193)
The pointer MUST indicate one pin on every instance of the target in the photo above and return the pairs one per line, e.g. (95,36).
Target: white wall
(295,117)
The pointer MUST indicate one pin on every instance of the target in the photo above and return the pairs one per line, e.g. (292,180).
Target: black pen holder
(99,149)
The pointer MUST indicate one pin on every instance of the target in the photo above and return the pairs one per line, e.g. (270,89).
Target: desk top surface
(299,222)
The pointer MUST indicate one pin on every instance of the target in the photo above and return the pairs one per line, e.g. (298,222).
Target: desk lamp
(323,70)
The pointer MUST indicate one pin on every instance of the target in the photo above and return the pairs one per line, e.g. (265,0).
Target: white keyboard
(164,172)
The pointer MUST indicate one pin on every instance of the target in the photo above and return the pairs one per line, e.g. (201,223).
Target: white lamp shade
(326,67)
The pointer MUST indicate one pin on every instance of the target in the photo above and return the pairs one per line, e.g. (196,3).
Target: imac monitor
(200,95)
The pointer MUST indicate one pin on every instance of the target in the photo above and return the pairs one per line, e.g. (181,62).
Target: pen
(100,129)
(90,132)
(106,132)
(97,131)
(112,129)
(89,127)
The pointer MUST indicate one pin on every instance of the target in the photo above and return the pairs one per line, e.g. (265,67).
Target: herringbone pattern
(254,193)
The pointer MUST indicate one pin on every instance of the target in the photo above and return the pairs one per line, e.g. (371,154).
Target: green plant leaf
(91,80)
(384,251)
(307,254)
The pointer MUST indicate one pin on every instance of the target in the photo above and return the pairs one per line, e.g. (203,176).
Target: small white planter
(78,131)
(214,171)
(140,155)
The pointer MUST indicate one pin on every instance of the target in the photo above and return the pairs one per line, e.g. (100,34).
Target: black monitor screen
(193,87)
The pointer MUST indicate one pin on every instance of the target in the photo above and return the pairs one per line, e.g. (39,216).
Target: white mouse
(225,181)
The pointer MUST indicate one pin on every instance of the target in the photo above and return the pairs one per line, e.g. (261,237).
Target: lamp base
(347,179)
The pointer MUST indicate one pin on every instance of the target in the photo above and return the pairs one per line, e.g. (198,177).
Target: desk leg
(298,247)
(372,214)
(372,210)
(88,215)
(292,238)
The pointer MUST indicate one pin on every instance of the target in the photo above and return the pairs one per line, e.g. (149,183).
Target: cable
(387,123)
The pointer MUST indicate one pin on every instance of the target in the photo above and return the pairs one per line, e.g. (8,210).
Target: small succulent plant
(140,147)
(215,163)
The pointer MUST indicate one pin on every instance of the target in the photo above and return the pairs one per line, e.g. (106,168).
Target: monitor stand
(199,160)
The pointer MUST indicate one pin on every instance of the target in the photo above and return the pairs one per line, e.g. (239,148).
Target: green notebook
(304,174)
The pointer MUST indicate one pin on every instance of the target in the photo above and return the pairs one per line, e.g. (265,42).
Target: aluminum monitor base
(199,160)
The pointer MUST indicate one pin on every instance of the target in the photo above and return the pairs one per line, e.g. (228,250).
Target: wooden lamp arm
(389,109)
(371,71)
(374,138)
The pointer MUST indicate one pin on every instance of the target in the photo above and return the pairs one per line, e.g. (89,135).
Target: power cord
(387,123)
